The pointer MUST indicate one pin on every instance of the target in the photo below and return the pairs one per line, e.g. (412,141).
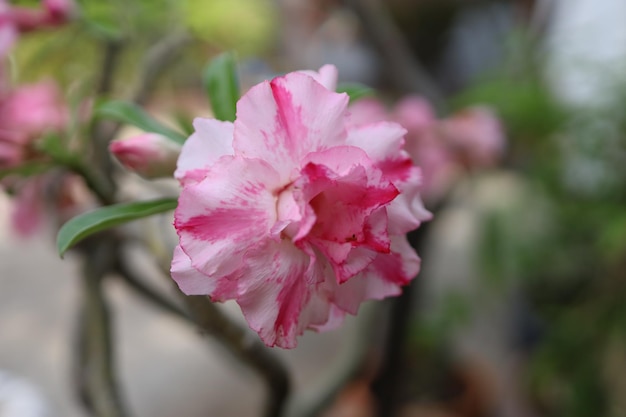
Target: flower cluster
(293,211)
(27,113)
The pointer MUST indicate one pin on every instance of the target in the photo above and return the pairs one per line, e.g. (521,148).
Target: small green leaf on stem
(132,114)
(107,217)
(222,86)
(355,91)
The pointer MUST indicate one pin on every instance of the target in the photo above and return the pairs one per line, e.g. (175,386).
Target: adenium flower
(150,155)
(293,212)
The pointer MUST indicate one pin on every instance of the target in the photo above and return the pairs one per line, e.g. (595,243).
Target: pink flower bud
(149,155)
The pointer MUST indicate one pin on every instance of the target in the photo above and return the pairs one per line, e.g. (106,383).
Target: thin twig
(405,71)
(155,61)
(137,284)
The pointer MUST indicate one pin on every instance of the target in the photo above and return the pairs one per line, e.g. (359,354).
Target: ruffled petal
(229,212)
(189,280)
(384,277)
(327,76)
(283,120)
(211,140)
(383,142)
(283,293)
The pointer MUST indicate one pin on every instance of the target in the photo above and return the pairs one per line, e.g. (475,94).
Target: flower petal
(283,120)
(327,76)
(283,293)
(189,280)
(383,142)
(211,140)
(227,213)
(384,277)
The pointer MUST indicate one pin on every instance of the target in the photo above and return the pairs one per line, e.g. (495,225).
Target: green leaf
(355,91)
(132,114)
(222,86)
(107,217)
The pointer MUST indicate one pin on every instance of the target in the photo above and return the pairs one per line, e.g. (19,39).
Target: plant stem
(100,381)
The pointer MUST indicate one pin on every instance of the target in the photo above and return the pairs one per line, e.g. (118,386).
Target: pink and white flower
(293,212)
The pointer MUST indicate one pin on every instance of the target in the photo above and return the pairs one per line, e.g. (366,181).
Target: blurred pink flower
(51,198)
(293,212)
(476,136)
(29,207)
(51,13)
(150,155)
(27,113)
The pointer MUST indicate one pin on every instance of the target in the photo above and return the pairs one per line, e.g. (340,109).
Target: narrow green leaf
(355,91)
(132,114)
(222,86)
(104,218)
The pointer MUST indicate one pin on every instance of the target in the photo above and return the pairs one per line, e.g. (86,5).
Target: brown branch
(246,347)
(405,71)
(98,380)
(142,289)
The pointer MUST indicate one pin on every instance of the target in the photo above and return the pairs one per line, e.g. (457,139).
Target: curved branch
(405,70)
(237,340)
(97,376)
(245,346)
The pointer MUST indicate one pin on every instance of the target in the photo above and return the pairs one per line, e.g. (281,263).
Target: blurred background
(519,309)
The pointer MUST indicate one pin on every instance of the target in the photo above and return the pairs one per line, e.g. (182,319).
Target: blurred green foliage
(247,26)
(574,270)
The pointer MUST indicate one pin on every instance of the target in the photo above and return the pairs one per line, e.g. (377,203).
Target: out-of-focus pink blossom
(51,13)
(58,11)
(476,136)
(294,212)
(29,207)
(150,155)
(50,198)
(472,138)
(27,113)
